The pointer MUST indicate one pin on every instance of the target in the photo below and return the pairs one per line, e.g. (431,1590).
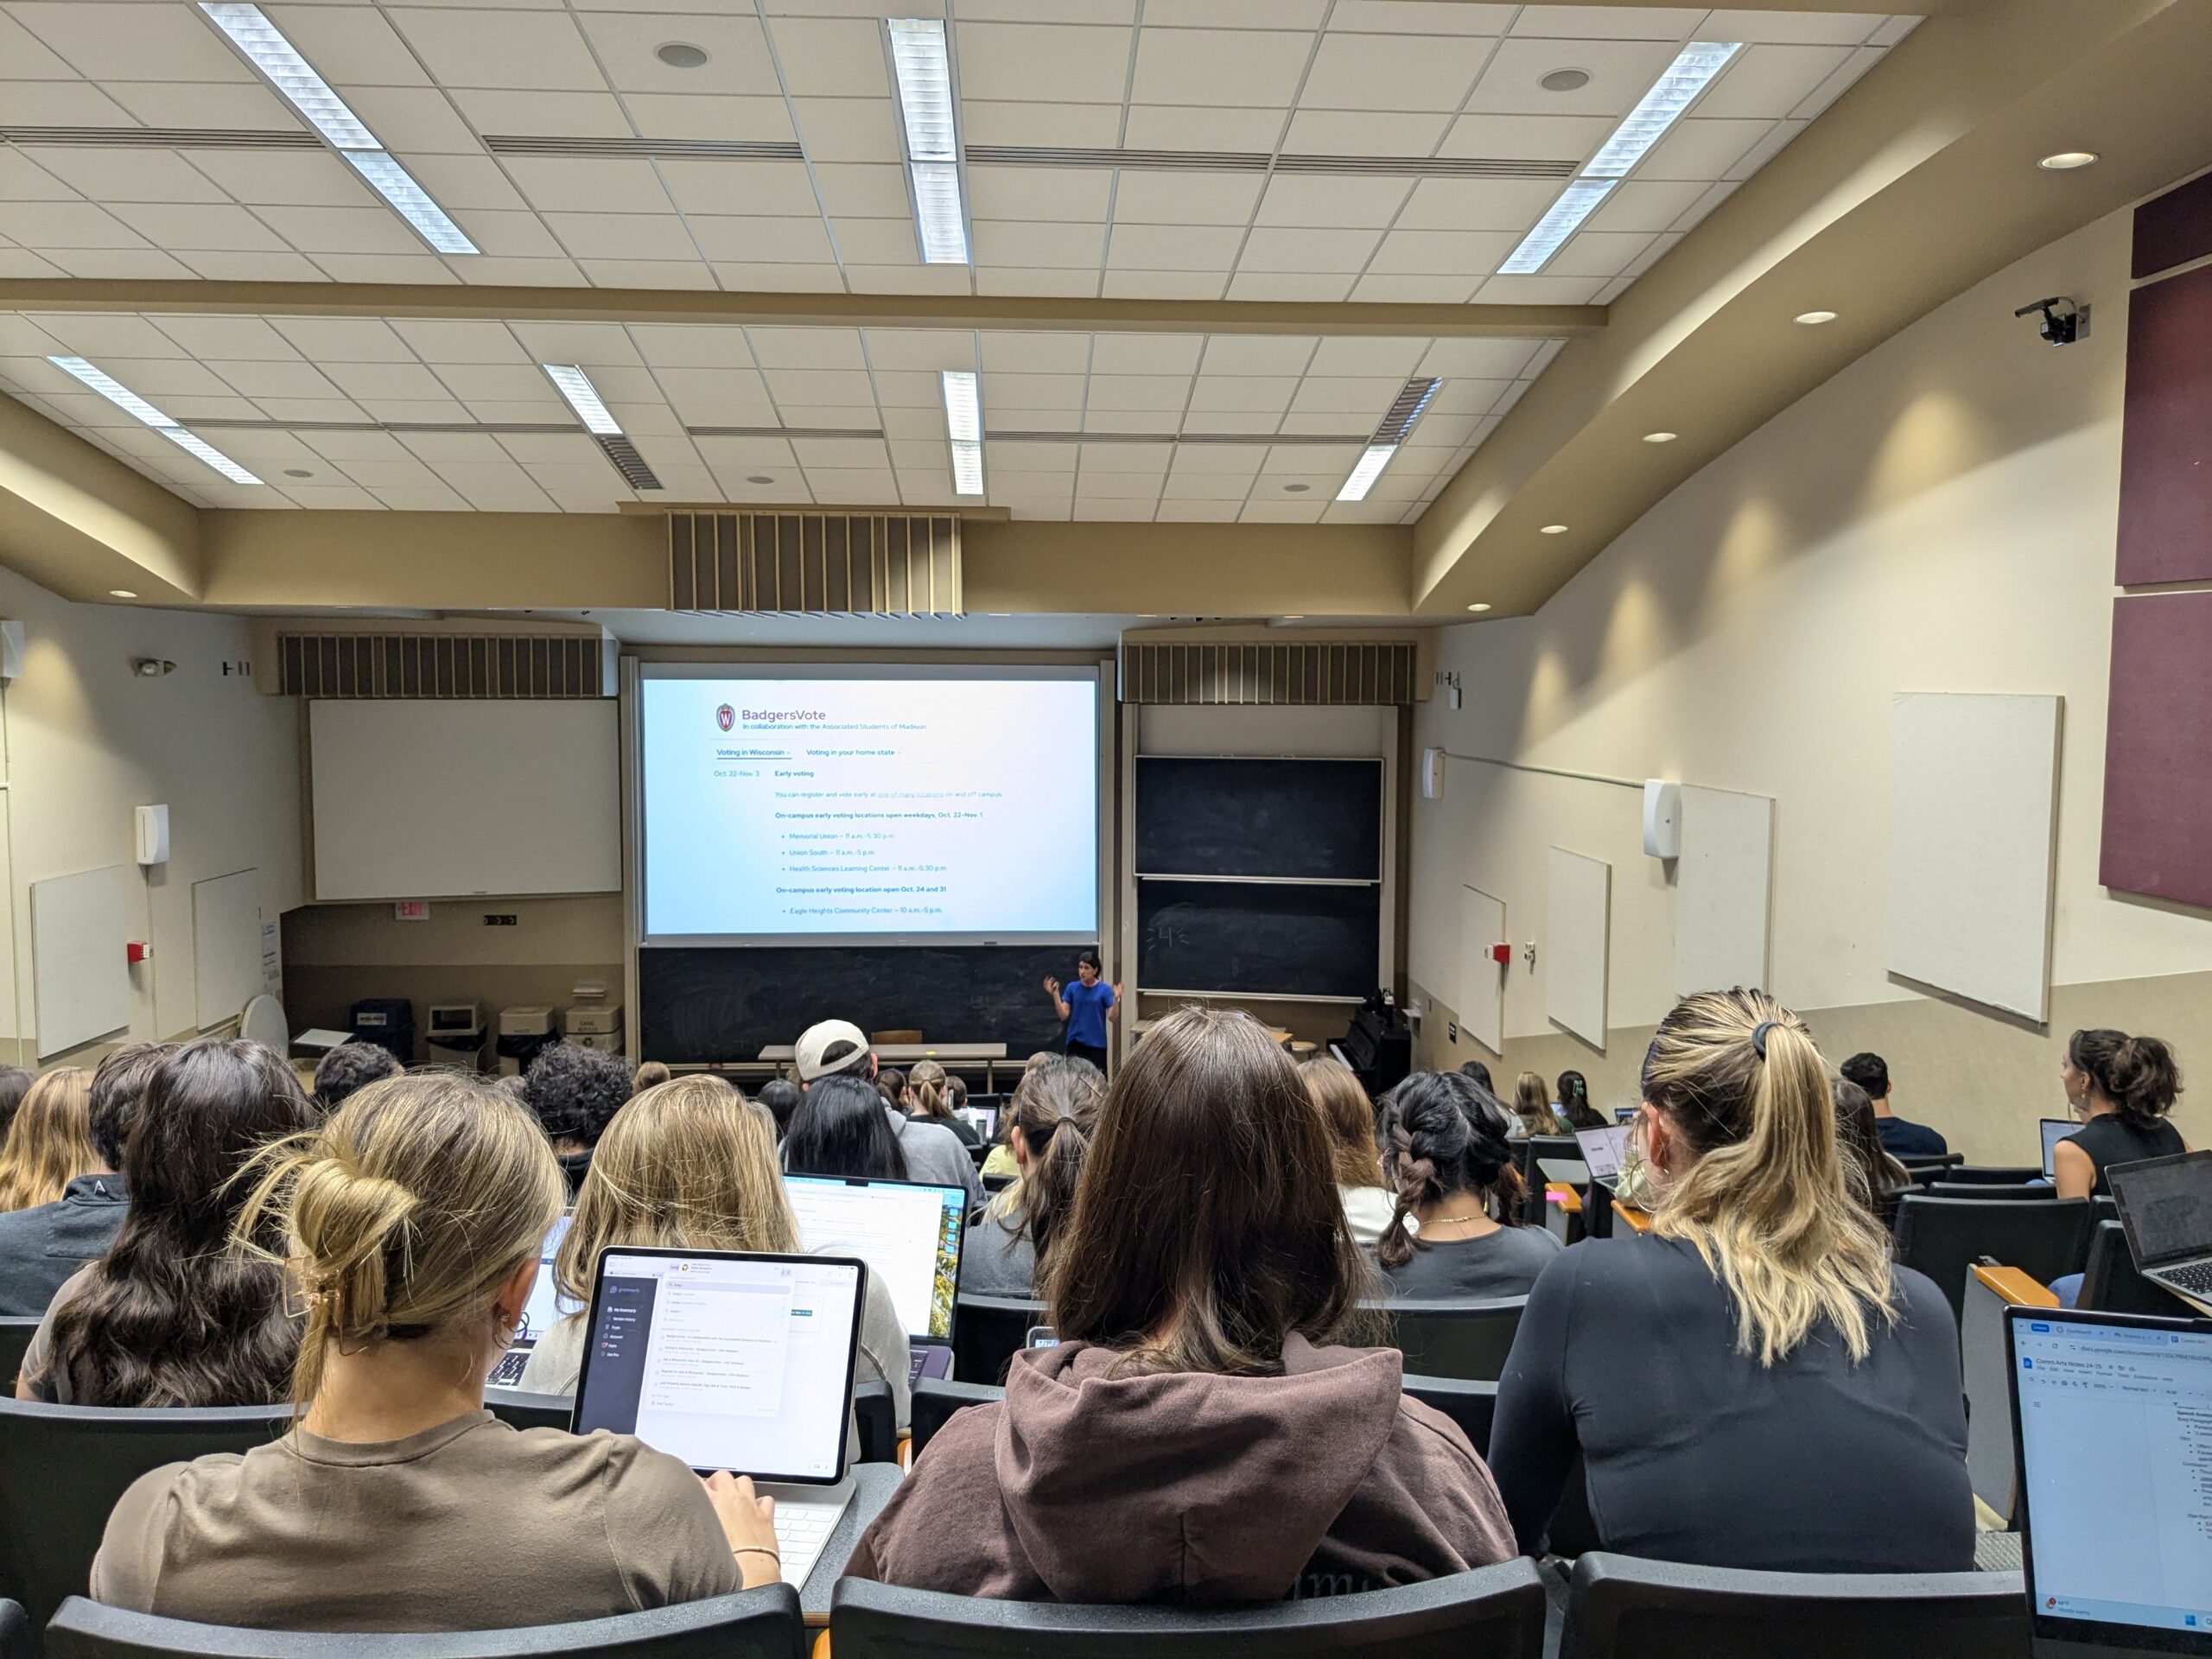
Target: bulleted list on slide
(870,806)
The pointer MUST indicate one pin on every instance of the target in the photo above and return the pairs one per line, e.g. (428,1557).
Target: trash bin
(388,1022)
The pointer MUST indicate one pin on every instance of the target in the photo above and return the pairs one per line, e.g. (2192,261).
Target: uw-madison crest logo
(725,716)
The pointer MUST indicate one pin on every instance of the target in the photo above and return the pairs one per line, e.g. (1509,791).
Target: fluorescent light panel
(1368,469)
(573,384)
(923,68)
(963,420)
(139,409)
(280,62)
(1676,89)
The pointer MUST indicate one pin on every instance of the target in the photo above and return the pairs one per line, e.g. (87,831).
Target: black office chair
(1934,1166)
(997,1182)
(936,1399)
(14,1337)
(1956,1189)
(1943,1237)
(761,1624)
(15,1632)
(987,1331)
(1527,1155)
(878,1422)
(1495,1612)
(63,1467)
(2110,1283)
(1463,1340)
(1617,1605)
(1470,1405)
(529,1410)
(1992,1174)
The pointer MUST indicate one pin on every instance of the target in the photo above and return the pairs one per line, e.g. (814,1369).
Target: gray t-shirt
(1502,1263)
(996,1262)
(934,1154)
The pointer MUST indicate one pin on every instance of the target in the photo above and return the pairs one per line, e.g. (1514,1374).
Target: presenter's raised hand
(1051,988)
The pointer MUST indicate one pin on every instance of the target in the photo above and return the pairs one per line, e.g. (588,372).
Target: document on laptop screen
(908,1234)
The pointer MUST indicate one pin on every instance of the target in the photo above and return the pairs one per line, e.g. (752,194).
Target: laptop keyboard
(802,1529)
(2195,1278)
(508,1372)
(915,1358)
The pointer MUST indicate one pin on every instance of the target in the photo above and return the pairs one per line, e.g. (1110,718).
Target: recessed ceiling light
(1295,616)
(2066,159)
(923,69)
(265,46)
(1554,530)
(759,478)
(1479,608)
(1676,89)
(297,472)
(121,593)
(1565,80)
(1296,489)
(964,421)
(998,613)
(681,55)
(133,405)
(1660,437)
(1813,318)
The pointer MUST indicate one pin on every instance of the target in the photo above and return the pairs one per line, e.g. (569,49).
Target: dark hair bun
(2142,1078)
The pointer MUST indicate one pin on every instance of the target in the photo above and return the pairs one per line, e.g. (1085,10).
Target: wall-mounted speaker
(1432,773)
(1662,818)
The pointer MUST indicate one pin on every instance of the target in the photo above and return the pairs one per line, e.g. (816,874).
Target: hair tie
(1758,1036)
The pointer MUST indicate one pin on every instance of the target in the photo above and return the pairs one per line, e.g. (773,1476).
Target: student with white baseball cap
(839,1048)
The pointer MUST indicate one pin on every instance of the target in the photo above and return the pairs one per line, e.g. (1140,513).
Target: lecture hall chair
(761,1624)
(15,1632)
(1943,1237)
(50,1528)
(2027,1191)
(1496,1613)
(14,1337)
(987,1331)
(2110,1283)
(1992,1174)
(1620,1605)
(1462,1339)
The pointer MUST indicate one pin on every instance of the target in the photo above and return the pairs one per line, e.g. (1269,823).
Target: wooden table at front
(782,1054)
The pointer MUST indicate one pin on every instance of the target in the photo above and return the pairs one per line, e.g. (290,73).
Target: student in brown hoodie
(1195,1437)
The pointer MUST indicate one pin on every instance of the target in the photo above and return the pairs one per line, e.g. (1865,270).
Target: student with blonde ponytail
(411,1222)
(1754,1385)
(1053,1114)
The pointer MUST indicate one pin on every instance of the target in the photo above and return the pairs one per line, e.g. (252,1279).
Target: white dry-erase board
(1721,888)
(1973,790)
(445,800)
(1578,913)
(1481,981)
(80,977)
(225,946)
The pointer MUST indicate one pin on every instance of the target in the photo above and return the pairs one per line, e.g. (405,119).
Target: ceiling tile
(686,346)
(928,349)
(1528,137)
(814,453)
(1767,82)
(1174,247)
(119,264)
(232,339)
(1668,23)
(851,129)
(526,50)
(50,224)
(648,273)
(1478,204)
(1368,355)
(26,57)
(1077,194)
(737,51)
(302,179)
(1166,392)
(730,186)
(1273,249)
(908,388)
(1370,202)
(838,57)
(1120,284)
(132,42)
(1393,72)
(877,242)
(157,378)
(1015,389)
(745,278)
(201,104)
(1036,353)
(1082,125)
(1032,283)
(519,235)
(1201,68)
(1389,289)
(22,181)
(1810,28)
(1645,205)
(1002,243)
(1220,199)
(665,115)
(417,120)
(847,389)
(1260,354)
(1598,253)
(195,225)
(58,104)
(343,229)
(1147,354)
(121,175)
(1420,17)
(1160,126)
(1769,146)
(1275,285)
(367,381)
(588,345)
(517,383)
(1846,77)
(262,380)
(1252,393)
(356,45)
(1042,62)
(1701,149)
(1539,291)
(254,267)
(1620,71)
(491,271)
(568,115)
(855,190)
(588,185)
(1442,253)
(807,348)
(762,240)
(1363,132)
(622,236)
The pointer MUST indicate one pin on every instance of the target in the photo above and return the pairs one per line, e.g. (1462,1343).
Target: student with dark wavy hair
(576,1092)
(172,1315)
(2123,1087)
(1196,1436)
(1450,1157)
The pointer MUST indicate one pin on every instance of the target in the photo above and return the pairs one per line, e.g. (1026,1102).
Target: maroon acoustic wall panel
(2173,229)
(2157,833)
(2165,451)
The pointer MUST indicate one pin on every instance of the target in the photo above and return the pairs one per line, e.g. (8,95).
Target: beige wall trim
(80,523)
(987,312)
(1919,182)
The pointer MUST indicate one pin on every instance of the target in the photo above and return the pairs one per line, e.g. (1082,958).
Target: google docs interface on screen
(2116,1450)
(909,1235)
(738,1364)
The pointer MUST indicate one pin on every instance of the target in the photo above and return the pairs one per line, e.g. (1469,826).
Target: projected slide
(776,808)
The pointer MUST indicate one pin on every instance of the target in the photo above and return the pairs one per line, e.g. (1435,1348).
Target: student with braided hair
(1446,1153)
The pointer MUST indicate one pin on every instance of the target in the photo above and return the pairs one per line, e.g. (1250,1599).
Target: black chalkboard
(1257,940)
(1305,818)
(707,1004)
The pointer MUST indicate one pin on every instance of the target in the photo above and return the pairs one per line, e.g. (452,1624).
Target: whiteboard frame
(1724,890)
(1577,928)
(207,1016)
(80,978)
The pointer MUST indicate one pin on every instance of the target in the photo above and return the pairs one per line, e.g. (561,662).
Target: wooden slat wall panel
(324,664)
(1321,672)
(819,564)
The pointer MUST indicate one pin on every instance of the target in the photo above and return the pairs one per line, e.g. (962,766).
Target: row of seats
(1615,1605)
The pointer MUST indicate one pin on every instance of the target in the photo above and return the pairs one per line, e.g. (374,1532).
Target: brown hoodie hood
(1154,1487)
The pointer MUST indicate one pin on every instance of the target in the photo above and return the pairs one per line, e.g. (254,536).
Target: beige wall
(1938,517)
(87,741)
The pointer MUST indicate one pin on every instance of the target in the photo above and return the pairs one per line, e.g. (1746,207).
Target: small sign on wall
(412,910)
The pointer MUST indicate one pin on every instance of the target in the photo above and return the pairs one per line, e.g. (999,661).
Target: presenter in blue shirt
(1086,1007)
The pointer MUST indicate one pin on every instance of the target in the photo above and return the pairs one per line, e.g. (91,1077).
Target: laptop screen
(2166,1206)
(2054,1130)
(545,1308)
(2115,1419)
(1603,1149)
(727,1361)
(908,1233)
(984,1119)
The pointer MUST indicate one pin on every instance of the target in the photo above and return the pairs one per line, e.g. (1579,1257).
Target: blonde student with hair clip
(1755,1384)
(690,1166)
(412,1221)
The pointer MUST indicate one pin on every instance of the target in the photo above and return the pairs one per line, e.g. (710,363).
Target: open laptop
(2109,1423)
(539,1315)
(2165,1205)
(984,1119)
(733,1361)
(1603,1150)
(909,1234)
(2055,1130)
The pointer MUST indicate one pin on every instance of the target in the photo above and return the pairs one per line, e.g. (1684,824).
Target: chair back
(2110,1283)
(15,1632)
(15,1338)
(1942,1237)
(760,1624)
(1469,1340)
(1617,1605)
(936,1399)
(1495,1612)
(1470,1405)
(1949,1188)
(1934,1166)
(531,1410)
(1993,1174)
(1531,1154)
(63,1467)
(987,1331)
